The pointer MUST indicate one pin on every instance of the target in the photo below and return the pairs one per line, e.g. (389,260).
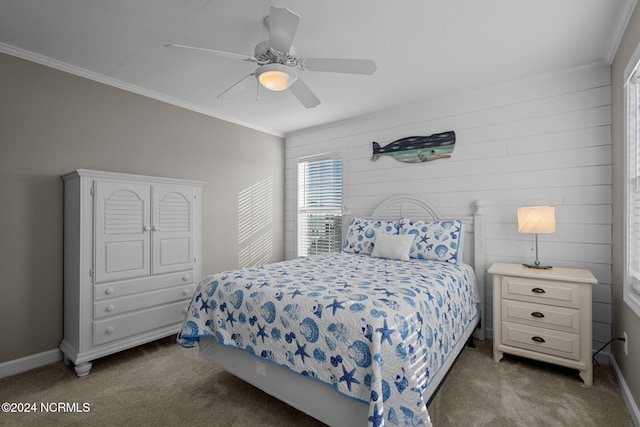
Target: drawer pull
(185,278)
(185,292)
(537,314)
(110,307)
(537,339)
(109,291)
(109,330)
(538,291)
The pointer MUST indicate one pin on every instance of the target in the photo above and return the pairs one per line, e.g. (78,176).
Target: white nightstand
(543,315)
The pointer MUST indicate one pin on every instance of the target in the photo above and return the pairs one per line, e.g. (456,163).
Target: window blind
(320,205)
(633,193)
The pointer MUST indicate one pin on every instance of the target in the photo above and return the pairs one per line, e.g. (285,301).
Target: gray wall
(53,122)
(624,319)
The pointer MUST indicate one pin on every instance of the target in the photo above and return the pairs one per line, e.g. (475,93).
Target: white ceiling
(423,48)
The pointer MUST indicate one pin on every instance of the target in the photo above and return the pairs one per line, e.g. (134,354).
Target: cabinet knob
(147,228)
(185,278)
(185,292)
(184,310)
(109,307)
(538,291)
(109,291)
(156,228)
(109,330)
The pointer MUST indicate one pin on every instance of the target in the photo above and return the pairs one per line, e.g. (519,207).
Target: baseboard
(603,357)
(27,363)
(626,393)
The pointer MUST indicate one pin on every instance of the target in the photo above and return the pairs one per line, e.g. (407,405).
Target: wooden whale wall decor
(417,149)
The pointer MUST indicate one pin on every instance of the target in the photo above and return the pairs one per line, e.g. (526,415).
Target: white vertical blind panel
(634,184)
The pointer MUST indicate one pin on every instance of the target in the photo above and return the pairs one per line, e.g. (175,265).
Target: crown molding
(100,78)
(624,14)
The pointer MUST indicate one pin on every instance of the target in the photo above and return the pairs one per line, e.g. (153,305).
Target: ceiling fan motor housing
(266,55)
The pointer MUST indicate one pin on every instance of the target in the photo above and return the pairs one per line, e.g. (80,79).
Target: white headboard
(473,253)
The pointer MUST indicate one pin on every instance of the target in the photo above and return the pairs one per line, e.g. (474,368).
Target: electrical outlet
(626,343)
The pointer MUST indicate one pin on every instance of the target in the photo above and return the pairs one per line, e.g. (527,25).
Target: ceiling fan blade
(235,85)
(215,52)
(304,94)
(283,25)
(333,65)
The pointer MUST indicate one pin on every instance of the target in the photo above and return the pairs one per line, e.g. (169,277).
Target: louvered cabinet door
(172,228)
(122,230)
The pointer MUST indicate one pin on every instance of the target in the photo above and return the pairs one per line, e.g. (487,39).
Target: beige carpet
(161,384)
(522,392)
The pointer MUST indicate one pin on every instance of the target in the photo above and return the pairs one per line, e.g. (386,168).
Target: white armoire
(132,253)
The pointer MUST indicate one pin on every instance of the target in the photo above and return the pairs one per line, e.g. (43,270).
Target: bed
(361,337)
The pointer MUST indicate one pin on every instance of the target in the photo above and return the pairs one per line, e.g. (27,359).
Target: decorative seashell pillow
(435,240)
(361,234)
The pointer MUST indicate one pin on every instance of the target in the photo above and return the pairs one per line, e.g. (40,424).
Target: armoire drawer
(541,340)
(115,306)
(546,316)
(541,291)
(146,284)
(115,328)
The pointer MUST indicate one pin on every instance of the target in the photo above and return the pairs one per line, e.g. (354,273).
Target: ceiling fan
(278,69)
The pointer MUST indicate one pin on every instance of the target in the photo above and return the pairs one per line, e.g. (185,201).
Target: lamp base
(539,267)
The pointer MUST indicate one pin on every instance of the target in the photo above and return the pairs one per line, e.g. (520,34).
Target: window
(632,183)
(319,205)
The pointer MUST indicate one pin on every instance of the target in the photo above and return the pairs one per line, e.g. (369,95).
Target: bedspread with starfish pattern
(377,330)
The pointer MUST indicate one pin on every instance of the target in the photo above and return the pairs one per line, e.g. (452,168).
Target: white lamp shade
(276,77)
(537,219)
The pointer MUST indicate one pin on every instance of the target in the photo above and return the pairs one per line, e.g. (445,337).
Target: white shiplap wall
(546,138)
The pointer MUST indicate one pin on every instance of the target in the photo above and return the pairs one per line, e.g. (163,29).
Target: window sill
(633,300)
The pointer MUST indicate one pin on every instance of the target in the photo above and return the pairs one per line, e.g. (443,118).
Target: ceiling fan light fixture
(276,77)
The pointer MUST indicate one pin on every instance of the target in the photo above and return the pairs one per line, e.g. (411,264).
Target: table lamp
(536,220)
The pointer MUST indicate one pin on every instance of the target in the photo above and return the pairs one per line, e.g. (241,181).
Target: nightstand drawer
(546,316)
(541,340)
(541,291)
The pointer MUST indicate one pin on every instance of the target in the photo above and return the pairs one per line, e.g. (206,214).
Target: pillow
(361,234)
(393,246)
(434,240)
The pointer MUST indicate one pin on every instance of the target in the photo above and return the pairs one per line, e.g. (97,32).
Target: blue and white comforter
(377,330)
